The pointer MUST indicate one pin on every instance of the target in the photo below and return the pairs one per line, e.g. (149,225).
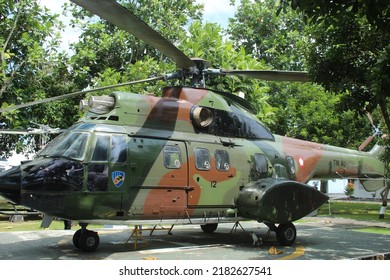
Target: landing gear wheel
(89,241)
(209,228)
(286,234)
(76,239)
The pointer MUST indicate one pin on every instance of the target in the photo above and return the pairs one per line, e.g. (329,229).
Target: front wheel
(76,239)
(89,241)
(286,234)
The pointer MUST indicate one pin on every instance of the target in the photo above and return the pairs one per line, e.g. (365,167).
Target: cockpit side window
(98,168)
(118,149)
(101,148)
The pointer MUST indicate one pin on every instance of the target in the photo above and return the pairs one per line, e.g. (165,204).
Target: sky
(214,11)
(217,11)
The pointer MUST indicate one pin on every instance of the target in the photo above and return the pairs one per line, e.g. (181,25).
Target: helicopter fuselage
(191,154)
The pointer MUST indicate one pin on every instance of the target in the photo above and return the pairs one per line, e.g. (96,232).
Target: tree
(307,111)
(106,55)
(207,41)
(276,40)
(31,69)
(349,50)
(103,45)
(304,111)
(23,26)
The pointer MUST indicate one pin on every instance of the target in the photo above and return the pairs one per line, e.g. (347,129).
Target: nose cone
(10,184)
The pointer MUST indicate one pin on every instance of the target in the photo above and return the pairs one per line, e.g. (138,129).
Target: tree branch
(7,82)
(385,112)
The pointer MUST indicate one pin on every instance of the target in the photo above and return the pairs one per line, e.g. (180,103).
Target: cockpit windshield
(69,145)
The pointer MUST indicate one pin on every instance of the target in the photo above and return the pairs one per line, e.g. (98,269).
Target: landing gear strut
(285,233)
(86,240)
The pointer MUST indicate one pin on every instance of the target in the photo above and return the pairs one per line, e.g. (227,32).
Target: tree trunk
(385,112)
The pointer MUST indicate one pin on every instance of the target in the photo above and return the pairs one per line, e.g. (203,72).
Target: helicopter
(192,156)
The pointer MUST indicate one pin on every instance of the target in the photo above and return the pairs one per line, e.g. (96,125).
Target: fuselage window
(222,161)
(261,163)
(202,159)
(118,149)
(172,157)
(291,165)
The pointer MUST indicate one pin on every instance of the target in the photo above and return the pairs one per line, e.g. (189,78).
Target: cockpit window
(70,145)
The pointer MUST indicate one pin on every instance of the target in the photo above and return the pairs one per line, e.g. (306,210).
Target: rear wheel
(286,234)
(209,228)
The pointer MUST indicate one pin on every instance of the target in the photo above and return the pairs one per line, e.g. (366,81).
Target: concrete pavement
(317,239)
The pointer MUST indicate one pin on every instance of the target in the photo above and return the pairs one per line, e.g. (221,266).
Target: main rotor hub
(200,63)
(198,72)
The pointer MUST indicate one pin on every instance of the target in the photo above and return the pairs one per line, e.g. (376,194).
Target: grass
(361,211)
(377,230)
(28,225)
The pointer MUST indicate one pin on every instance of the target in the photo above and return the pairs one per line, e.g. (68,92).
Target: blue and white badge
(118,178)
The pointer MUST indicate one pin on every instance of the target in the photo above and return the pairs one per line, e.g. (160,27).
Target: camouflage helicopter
(192,156)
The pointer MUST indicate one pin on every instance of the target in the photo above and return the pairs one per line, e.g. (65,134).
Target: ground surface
(318,238)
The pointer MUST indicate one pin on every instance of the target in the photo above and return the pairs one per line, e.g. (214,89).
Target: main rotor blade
(55,98)
(29,131)
(270,75)
(124,19)
(370,119)
(14,131)
(365,143)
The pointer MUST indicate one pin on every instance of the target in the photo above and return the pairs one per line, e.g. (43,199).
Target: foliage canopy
(257,37)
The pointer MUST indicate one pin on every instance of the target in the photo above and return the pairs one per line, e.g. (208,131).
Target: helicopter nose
(10,184)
